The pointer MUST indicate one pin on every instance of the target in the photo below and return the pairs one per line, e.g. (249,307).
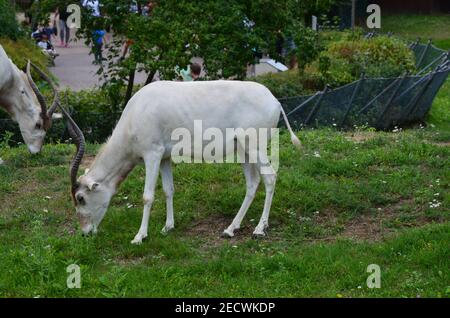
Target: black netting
(376,102)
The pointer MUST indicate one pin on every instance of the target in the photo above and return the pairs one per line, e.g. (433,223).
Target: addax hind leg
(167,183)
(269,177)
(252,180)
(152,163)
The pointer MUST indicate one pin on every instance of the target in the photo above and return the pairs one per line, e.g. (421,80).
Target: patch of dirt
(210,230)
(365,228)
(360,136)
(441,144)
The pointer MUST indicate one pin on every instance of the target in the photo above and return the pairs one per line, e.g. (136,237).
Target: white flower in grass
(434,204)
(1,161)
(316,154)
(129,205)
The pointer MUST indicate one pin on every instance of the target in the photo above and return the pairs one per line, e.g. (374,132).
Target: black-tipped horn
(47,115)
(36,91)
(77,135)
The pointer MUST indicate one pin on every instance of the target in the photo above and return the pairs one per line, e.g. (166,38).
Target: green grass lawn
(365,200)
(435,27)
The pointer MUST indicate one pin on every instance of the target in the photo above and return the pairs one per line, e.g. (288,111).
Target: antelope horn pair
(46,115)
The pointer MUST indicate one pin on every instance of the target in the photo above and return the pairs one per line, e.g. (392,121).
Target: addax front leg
(152,163)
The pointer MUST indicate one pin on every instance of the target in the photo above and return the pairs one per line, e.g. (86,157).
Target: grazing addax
(21,98)
(143,133)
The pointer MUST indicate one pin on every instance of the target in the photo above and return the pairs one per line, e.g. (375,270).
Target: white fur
(19,100)
(144,133)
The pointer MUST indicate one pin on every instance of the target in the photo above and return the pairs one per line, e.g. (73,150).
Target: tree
(225,33)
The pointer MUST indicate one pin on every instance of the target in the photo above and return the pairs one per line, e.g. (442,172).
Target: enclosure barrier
(381,103)
(370,102)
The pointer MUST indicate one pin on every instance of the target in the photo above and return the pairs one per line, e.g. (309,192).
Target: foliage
(308,46)
(226,34)
(8,24)
(22,50)
(290,83)
(381,56)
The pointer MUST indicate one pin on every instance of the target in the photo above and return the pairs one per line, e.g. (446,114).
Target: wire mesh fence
(381,103)
(373,102)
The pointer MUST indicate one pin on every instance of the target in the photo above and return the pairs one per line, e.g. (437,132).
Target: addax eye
(38,126)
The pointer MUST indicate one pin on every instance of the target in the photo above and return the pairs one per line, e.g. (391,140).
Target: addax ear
(90,183)
(93,186)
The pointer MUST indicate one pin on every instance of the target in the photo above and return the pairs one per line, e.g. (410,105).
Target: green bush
(22,50)
(290,83)
(8,24)
(382,56)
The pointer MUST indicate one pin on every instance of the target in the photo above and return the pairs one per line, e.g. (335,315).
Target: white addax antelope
(144,133)
(21,98)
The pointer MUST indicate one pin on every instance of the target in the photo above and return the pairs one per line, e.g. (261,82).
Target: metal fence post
(379,95)
(413,103)
(350,103)
(317,105)
(423,54)
(442,56)
(302,104)
(413,45)
(391,99)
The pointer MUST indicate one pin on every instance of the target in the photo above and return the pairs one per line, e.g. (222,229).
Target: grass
(435,27)
(365,200)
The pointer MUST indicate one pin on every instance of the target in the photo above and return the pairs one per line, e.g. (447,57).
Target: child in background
(191,73)
(47,47)
(97,39)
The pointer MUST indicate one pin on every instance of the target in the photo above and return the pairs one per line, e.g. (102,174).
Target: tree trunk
(150,77)
(130,86)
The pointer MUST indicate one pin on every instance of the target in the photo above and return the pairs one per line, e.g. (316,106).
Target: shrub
(8,24)
(382,56)
(281,84)
(22,50)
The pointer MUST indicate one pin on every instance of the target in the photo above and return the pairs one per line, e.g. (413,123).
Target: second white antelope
(21,98)
(143,133)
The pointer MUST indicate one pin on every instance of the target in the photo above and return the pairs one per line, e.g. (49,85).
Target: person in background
(47,47)
(64,31)
(191,73)
(93,6)
(97,41)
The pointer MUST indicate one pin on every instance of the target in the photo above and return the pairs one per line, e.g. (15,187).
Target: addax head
(91,202)
(34,121)
(91,198)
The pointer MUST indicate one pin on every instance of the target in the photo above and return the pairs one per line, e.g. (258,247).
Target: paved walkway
(75,69)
